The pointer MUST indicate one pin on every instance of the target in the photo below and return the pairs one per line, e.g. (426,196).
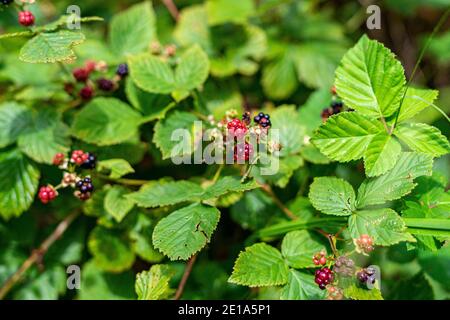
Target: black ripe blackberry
(90,162)
(367,275)
(85,185)
(246,118)
(263,120)
(105,85)
(337,106)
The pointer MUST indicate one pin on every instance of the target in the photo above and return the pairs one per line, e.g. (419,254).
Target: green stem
(432,105)
(128,182)
(419,60)
(217,174)
(424,223)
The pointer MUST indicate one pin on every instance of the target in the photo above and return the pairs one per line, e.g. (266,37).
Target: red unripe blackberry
(237,128)
(323,277)
(79,157)
(26,18)
(47,194)
(243,151)
(58,159)
(80,74)
(319,258)
(87,93)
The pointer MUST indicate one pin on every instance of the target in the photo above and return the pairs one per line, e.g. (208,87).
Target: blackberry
(105,85)
(58,159)
(47,194)
(344,266)
(326,113)
(246,118)
(86,93)
(236,128)
(364,244)
(81,74)
(323,277)
(79,157)
(243,151)
(319,258)
(85,185)
(337,106)
(26,18)
(263,120)
(367,275)
(90,162)
(122,70)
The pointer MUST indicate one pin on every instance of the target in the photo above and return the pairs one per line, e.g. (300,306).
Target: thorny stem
(419,60)
(186,274)
(268,190)
(172,8)
(37,254)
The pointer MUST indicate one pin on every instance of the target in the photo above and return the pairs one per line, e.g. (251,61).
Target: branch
(37,254)
(170,5)
(268,190)
(186,275)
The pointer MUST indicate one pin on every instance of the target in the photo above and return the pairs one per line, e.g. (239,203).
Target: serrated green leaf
(356,293)
(332,196)
(117,167)
(291,132)
(111,252)
(423,138)
(229,11)
(298,248)
(395,183)
(164,130)
(19,180)
(311,154)
(192,27)
(117,204)
(301,286)
(345,137)
(226,185)
(184,232)
(192,70)
(152,106)
(385,226)
(260,265)
(141,234)
(415,101)
(279,79)
(46,136)
(370,79)
(163,194)
(381,154)
(154,283)
(133,30)
(106,121)
(14,119)
(51,47)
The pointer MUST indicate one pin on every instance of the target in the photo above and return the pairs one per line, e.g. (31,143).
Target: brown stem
(268,190)
(37,254)
(187,273)
(170,5)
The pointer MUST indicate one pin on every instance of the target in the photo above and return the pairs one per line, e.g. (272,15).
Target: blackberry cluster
(263,120)
(122,70)
(344,266)
(323,277)
(367,275)
(90,162)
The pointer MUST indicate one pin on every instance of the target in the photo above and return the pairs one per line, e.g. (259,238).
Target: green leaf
(260,265)
(227,185)
(423,138)
(385,226)
(332,196)
(301,286)
(152,106)
(46,136)
(370,79)
(19,180)
(141,234)
(229,11)
(192,27)
(97,284)
(345,137)
(117,168)
(14,119)
(381,154)
(51,47)
(154,284)
(298,248)
(133,30)
(169,193)
(415,101)
(155,75)
(184,232)
(355,293)
(291,132)
(111,252)
(278,78)
(164,130)
(395,183)
(116,202)
(413,288)
(311,154)
(106,121)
